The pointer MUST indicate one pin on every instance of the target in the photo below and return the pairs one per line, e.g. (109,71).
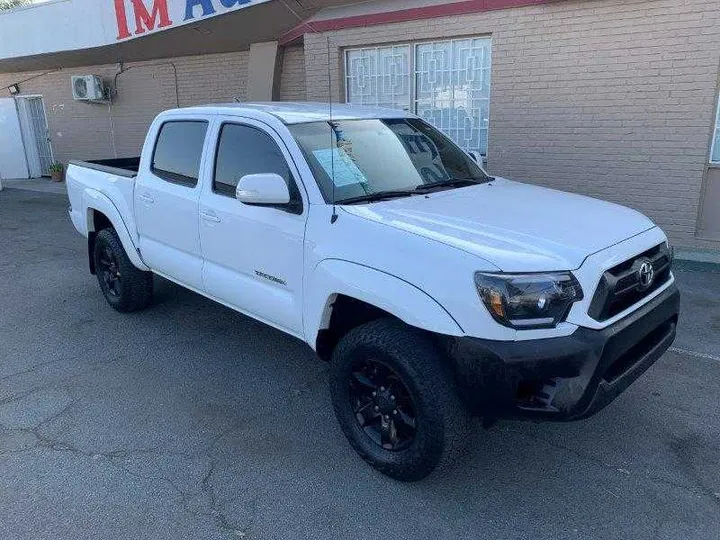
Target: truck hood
(517,227)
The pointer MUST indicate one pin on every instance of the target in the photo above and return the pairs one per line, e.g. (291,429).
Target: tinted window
(178,151)
(247,150)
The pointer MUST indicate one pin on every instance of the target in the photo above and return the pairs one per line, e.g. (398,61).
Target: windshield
(366,157)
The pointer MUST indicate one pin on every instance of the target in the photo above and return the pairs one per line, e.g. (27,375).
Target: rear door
(166,199)
(253,254)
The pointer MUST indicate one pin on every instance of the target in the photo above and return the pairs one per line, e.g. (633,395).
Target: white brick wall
(609,98)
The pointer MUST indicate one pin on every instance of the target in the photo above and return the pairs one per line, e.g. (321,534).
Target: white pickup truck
(435,291)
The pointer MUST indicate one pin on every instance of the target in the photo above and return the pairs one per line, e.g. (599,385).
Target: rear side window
(178,151)
(247,150)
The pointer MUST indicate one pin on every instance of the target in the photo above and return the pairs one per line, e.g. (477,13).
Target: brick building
(617,99)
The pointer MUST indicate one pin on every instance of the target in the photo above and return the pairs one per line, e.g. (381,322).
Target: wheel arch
(341,295)
(102,214)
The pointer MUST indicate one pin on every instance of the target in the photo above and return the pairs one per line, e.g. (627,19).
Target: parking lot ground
(189,420)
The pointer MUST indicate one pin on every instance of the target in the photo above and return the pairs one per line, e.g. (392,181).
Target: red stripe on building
(403,15)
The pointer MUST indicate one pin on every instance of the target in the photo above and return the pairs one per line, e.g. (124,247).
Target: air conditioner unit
(88,88)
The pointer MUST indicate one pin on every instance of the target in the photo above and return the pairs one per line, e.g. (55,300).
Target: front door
(253,255)
(166,202)
(36,134)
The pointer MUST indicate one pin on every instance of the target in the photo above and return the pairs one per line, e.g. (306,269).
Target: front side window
(381,155)
(447,83)
(178,151)
(715,150)
(246,150)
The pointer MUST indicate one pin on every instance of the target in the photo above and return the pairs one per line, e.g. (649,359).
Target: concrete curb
(698,256)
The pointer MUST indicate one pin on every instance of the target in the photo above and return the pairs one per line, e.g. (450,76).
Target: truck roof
(301,112)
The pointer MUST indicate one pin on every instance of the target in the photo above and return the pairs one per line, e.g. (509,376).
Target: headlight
(525,301)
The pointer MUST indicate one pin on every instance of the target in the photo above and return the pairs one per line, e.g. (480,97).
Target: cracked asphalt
(188,420)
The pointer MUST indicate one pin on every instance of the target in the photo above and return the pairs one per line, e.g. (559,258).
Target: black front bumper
(566,378)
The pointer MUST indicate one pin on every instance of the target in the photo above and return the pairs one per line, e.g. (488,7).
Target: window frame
(296,204)
(715,138)
(412,74)
(171,177)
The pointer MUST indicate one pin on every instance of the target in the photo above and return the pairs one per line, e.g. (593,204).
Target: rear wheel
(125,287)
(395,400)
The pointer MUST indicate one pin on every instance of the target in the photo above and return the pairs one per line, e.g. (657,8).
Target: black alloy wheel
(125,287)
(109,271)
(383,406)
(396,399)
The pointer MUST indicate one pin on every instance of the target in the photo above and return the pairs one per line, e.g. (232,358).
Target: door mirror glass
(262,189)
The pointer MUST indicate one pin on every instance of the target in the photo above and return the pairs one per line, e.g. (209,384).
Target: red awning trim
(411,14)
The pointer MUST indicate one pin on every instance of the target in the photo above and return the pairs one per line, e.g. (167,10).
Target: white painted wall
(65,25)
(60,25)
(12,153)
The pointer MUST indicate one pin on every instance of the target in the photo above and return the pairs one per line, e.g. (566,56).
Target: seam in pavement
(695,354)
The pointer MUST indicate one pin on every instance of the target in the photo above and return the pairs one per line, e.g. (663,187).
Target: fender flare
(400,298)
(96,201)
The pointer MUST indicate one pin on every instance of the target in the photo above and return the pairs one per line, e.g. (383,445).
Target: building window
(379,76)
(715,149)
(450,84)
(452,89)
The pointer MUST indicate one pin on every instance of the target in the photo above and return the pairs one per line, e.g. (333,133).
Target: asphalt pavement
(189,420)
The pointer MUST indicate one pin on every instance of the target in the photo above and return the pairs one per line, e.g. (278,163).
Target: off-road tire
(441,419)
(135,286)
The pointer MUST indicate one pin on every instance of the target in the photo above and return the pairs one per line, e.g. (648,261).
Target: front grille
(621,287)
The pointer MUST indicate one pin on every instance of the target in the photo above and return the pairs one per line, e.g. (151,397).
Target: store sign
(137,17)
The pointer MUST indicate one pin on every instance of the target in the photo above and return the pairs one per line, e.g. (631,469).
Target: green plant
(57,168)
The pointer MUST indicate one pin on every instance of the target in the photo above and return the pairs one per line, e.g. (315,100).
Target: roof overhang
(223,31)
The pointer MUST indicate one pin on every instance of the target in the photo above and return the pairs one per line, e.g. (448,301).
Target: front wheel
(125,287)
(395,400)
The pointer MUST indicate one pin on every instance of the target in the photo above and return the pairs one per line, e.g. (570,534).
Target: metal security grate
(379,76)
(452,85)
(40,133)
(445,82)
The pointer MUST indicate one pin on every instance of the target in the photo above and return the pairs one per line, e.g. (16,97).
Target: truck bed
(108,180)
(127,167)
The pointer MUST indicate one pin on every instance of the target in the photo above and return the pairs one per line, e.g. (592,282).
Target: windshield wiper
(379,196)
(448,182)
(419,190)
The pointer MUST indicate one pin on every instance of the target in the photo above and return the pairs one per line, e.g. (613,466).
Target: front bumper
(566,378)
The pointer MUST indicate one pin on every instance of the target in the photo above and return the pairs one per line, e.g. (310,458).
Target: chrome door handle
(147,198)
(212,218)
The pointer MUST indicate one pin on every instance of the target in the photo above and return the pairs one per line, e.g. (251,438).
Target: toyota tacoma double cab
(435,291)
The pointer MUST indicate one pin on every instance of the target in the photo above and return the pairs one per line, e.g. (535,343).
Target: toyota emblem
(646,274)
